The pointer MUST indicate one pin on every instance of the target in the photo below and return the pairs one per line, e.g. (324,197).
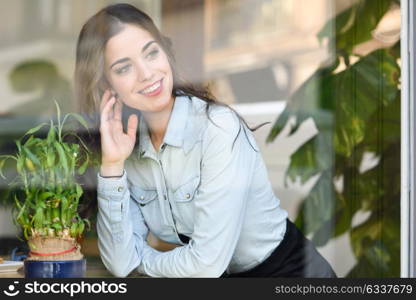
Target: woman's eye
(123,69)
(153,53)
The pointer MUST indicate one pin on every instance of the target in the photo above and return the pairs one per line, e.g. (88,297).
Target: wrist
(112,170)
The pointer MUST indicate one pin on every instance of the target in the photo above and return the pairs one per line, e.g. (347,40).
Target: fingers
(104,99)
(115,118)
(106,113)
(132,124)
(117,110)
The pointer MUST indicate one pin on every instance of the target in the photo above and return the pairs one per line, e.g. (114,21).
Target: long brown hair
(89,69)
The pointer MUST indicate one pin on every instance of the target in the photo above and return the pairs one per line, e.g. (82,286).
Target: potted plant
(46,197)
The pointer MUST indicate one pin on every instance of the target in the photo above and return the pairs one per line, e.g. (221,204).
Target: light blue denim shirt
(208,182)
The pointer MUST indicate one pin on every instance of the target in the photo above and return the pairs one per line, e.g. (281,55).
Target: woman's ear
(113,92)
(104,85)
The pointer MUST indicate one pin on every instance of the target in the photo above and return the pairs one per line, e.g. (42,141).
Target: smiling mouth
(152,88)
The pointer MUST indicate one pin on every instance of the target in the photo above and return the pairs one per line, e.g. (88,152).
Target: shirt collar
(180,130)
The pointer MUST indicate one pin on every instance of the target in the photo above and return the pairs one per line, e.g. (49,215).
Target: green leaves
(356,111)
(35,129)
(354,25)
(62,156)
(47,197)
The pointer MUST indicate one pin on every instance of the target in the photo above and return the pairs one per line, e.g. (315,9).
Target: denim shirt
(206,181)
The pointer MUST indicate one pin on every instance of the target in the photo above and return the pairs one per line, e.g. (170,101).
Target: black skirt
(295,256)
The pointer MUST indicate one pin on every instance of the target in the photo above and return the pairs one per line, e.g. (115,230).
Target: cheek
(164,64)
(124,84)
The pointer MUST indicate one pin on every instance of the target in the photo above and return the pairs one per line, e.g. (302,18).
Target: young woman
(183,166)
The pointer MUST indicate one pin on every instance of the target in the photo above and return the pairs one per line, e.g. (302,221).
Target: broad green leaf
(354,25)
(319,206)
(363,235)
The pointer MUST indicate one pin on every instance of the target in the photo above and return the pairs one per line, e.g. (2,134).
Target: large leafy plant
(357,113)
(45,191)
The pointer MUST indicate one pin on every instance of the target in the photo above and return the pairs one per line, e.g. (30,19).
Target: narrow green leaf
(83,167)
(62,156)
(51,134)
(80,228)
(79,118)
(45,195)
(32,157)
(73,230)
(35,129)
(58,110)
(88,223)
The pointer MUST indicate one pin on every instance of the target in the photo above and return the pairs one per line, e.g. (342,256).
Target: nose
(145,72)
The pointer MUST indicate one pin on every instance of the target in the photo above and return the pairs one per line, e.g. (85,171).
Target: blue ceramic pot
(55,269)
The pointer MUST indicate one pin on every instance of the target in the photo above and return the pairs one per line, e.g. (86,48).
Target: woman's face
(138,70)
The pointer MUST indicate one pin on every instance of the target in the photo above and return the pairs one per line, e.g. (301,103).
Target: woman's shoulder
(217,118)
(199,107)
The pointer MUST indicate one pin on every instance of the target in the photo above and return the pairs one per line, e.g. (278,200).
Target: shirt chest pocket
(146,200)
(142,196)
(184,197)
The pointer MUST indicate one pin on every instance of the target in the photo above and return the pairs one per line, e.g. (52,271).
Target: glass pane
(37,60)
(324,73)
(329,83)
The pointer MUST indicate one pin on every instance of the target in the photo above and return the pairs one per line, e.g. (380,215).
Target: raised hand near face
(116,145)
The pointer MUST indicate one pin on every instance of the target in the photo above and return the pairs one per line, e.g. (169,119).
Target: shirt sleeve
(227,166)
(121,228)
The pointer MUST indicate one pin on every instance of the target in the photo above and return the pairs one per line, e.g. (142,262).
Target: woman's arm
(121,230)
(120,227)
(220,203)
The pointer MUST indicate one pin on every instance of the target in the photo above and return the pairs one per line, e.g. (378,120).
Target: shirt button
(188,196)
(141,197)
(163,146)
(120,189)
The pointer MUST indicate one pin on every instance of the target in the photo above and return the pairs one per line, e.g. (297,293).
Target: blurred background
(325,73)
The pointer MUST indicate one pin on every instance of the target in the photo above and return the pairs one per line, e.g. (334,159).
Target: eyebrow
(121,60)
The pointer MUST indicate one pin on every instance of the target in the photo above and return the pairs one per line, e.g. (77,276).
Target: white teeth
(151,89)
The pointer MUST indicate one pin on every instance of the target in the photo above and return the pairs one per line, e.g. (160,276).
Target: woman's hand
(116,146)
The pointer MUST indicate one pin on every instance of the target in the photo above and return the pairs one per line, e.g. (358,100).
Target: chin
(163,105)
(158,105)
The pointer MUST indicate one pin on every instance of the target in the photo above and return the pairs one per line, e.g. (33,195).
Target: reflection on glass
(40,77)
(236,23)
(328,71)
(335,157)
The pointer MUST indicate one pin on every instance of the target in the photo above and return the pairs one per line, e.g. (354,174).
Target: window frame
(408,140)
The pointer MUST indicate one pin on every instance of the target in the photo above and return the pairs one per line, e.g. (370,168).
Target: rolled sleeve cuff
(113,195)
(112,185)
